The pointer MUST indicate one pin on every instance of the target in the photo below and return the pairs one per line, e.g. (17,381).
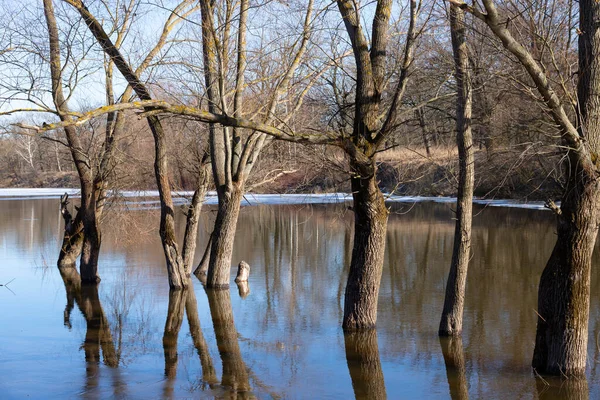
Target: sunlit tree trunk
(452,314)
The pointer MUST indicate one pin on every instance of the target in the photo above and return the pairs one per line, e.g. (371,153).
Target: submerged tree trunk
(362,356)
(72,236)
(219,268)
(452,314)
(370,224)
(564,291)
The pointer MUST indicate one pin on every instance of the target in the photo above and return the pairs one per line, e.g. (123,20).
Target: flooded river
(130,338)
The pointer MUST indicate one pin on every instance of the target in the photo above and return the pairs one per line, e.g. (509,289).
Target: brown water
(131,338)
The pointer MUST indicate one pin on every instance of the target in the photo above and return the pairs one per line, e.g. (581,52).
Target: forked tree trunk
(174,261)
(456,369)
(362,356)
(370,223)
(452,314)
(219,268)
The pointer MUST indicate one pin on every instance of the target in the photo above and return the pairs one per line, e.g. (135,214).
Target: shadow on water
(456,370)
(362,355)
(98,338)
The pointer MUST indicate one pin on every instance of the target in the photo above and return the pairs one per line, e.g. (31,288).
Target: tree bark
(219,268)
(192,219)
(72,237)
(452,314)
(362,356)
(370,224)
(564,291)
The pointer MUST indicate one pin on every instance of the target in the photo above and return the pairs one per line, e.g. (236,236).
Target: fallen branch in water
(6,284)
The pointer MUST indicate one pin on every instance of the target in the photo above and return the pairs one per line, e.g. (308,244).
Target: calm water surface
(131,338)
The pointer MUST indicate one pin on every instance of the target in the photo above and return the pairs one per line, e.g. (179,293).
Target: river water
(131,338)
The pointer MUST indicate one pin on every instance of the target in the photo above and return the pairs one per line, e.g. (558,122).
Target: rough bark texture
(202,268)
(456,371)
(70,250)
(564,291)
(362,356)
(235,373)
(370,223)
(192,219)
(219,268)
(452,315)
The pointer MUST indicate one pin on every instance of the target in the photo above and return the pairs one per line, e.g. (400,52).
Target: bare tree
(452,315)
(564,291)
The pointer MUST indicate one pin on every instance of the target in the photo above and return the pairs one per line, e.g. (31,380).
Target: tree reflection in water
(235,374)
(171,333)
(362,355)
(454,358)
(209,375)
(98,335)
(553,388)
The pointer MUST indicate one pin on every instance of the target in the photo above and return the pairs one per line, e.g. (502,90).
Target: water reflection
(362,356)
(235,375)
(171,333)
(209,375)
(557,388)
(286,330)
(456,371)
(98,337)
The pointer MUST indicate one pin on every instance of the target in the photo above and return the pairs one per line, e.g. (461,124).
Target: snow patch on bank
(182,197)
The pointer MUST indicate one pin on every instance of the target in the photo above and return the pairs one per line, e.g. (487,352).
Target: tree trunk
(191,226)
(564,291)
(452,314)
(202,268)
(235,374)
(362,356)
(219,268)
(456,371)
(91,240)
(72,237)
(370,223)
